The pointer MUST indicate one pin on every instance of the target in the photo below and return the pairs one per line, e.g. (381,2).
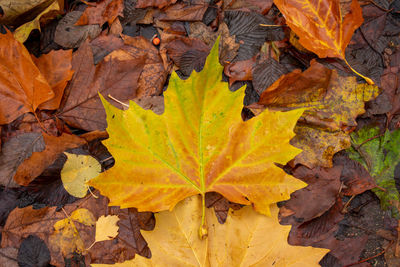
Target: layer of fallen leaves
(49,104)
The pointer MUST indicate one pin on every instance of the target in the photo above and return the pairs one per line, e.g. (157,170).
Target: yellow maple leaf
(246,239)
(200,144)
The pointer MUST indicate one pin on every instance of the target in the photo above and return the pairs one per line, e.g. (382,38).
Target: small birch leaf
(77,170)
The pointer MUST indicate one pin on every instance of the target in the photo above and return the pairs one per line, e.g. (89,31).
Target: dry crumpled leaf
(22,32)
(39,161)
(77,170)
(14,152)
(246,239)
(333,104)
(216,152)
(24,222)
(101,12)
(56,68)
(22,87)
(106,228)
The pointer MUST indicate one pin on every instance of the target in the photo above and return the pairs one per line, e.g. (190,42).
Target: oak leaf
(22,87)
(246,239)
(200,144)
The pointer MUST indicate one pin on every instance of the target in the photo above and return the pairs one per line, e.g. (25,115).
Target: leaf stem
(368,80)
(203,227)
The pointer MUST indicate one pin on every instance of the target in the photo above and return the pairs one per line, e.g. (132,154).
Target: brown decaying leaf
(333,104)
(153,75)
(320,26)
(39,161)
(56,68)
(14,152)
(69,35)
(8,257)
(154,3)
(22,87)
(23,222)
(240,70)
(102,12)
(193,11)
(114,75)
(254,5)
(221,205)
(320,194)
(187,53)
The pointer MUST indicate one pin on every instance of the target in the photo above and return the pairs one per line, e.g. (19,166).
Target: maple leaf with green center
(200,144)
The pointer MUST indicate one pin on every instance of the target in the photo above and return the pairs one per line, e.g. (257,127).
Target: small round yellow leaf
(78,170)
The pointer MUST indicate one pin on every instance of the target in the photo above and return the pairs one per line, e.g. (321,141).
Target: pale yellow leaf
(77,170)
(246,239)
(106,228)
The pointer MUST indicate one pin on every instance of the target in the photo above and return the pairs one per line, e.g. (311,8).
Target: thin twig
(118,101)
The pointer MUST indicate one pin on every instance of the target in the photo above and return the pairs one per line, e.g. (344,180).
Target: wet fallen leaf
(106,228)
(217,151)
(379,154)
(77,170)
(23,31)
(101,12)
(241,241)
(56,68)
(22,87)
(14,152)
(39,161)
(240,70)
